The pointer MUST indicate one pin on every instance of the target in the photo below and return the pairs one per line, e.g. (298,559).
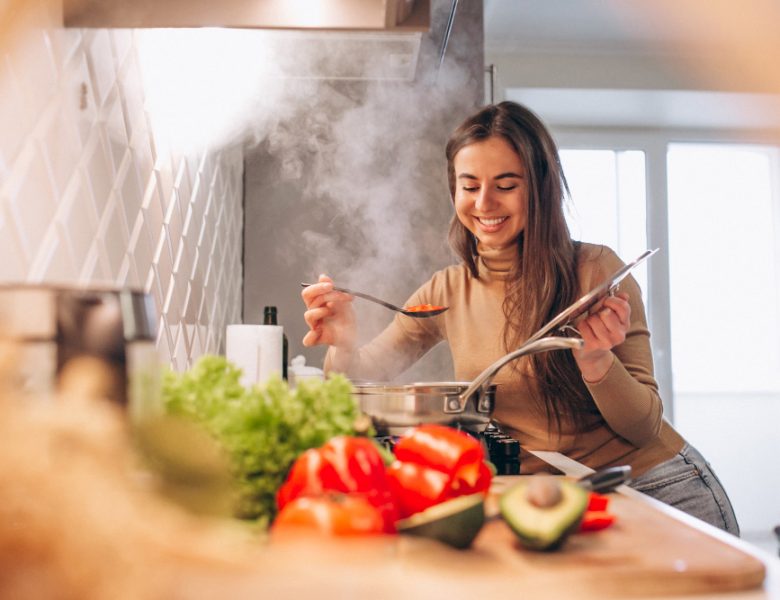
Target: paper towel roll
(256,350)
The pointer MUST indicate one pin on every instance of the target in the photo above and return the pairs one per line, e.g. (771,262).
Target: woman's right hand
(329,315)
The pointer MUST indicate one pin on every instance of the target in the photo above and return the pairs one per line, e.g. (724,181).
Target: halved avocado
(454,522)
(543,527)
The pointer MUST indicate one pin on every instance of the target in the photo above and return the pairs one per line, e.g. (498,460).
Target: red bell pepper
(435,463)
(595,520)
(356,462)
(350,465)
(360,468)
(596,516)
(416,487)
(484,475)
(310,475)
(597,501)
(442,448)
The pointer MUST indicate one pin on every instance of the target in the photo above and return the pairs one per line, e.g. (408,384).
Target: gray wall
(352,182)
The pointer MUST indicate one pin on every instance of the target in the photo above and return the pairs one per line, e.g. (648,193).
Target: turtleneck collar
(496,262)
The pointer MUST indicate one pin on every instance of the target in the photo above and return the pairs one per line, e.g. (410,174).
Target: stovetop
(500,449)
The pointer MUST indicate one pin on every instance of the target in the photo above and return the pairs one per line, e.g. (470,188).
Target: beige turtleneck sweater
(626,425)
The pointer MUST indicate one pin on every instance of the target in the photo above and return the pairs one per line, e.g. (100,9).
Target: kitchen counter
(652,551)
(77,522)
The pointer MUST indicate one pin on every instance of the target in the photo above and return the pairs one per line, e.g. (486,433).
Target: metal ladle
(417,314)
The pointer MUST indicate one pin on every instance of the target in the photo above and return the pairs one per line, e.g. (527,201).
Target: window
(724,277)
(608,201)
(714,208)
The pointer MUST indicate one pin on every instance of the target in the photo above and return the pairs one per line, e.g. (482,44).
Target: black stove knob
(507,452)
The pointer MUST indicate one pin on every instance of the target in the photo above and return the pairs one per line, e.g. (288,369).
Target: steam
(376,164)
(374,185)
(362,160)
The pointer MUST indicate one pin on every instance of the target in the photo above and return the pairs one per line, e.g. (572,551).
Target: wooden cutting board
(646,553)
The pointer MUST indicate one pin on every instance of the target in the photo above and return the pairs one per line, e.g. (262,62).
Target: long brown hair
(544,279)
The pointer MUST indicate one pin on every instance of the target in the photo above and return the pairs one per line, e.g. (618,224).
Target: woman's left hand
(602,330)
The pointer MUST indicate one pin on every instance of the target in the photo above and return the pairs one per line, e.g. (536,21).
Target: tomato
(333,514)
(349,465)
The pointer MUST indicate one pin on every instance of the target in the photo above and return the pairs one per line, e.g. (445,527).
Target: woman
(598,405)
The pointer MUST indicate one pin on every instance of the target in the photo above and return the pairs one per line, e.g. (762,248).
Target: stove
(501,450)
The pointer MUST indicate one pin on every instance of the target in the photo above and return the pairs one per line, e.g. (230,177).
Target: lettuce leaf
(263,428)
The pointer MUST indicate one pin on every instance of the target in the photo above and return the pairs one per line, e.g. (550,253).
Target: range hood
(361,15)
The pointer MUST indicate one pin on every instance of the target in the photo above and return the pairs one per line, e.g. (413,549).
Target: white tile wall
(85,198)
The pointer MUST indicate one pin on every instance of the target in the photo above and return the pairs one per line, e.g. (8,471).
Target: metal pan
(395,408)
(570,315)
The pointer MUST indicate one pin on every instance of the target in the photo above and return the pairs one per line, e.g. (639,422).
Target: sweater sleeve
(402,343)
(627,396)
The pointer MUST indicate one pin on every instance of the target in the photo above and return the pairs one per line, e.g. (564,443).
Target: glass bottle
(269,318)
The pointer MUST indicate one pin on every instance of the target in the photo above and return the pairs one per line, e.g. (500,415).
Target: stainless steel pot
(395,408)
(86,340)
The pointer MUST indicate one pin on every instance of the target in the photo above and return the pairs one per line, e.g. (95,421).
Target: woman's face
(491,191)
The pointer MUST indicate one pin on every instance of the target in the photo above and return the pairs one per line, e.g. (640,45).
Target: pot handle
(533,347)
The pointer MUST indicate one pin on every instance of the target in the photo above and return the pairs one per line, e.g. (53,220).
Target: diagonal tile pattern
(86,198)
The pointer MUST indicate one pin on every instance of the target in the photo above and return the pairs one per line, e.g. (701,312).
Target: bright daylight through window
(724,269)
(608,201)
(720,217)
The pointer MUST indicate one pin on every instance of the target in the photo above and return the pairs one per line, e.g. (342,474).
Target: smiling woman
(491,196)
(519,268)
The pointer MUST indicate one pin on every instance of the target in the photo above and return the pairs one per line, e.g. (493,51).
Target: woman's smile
(491,192)
(491,225)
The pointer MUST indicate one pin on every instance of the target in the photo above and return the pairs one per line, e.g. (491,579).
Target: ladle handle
(540,345)
(362,295)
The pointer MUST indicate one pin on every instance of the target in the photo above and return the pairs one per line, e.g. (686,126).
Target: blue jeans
(688,483)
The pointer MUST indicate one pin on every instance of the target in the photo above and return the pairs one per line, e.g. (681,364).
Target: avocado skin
(455,522)
(524,518)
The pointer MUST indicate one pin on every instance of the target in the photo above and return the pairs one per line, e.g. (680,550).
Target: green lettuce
(261,428)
